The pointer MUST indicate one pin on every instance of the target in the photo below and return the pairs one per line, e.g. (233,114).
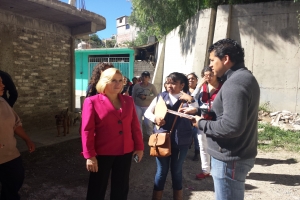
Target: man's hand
(159,121)
(197,119)
(92,164)
(188,110)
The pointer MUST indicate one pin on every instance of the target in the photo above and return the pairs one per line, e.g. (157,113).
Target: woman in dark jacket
(180,137)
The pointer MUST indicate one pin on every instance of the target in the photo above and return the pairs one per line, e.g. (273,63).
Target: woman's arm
(149,113)
(21,133)
(87,135)
(88,129)
(137,135)
(153,91)
(18,130)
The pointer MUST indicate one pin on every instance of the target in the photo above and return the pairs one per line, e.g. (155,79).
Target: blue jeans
(229,178)
(177,158)
(196,141)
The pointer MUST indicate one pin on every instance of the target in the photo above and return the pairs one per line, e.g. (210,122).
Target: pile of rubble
(283,119)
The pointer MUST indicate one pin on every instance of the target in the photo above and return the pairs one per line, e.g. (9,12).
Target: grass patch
(272,138)
(265,107)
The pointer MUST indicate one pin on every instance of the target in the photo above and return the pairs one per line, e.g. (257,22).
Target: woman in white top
(181,135)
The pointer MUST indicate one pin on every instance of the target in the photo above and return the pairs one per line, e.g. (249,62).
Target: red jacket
(107,131)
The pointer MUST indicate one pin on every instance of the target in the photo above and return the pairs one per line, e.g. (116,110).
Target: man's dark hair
(228,47)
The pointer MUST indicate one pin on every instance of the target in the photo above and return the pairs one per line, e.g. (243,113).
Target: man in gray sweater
(232,138)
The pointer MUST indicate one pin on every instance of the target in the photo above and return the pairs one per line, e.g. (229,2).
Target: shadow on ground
(58,172)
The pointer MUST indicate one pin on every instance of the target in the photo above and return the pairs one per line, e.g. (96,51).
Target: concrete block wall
(186,53)
(269,34)
(157,79)
(38,56)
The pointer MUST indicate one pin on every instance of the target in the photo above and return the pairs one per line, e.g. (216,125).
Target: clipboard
(191,117)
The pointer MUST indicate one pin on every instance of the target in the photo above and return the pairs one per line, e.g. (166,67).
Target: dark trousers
(11,178)
(119,166)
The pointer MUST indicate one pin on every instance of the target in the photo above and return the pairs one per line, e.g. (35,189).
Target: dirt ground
(57,172)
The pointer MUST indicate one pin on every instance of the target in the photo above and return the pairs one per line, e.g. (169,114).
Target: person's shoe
(202,176)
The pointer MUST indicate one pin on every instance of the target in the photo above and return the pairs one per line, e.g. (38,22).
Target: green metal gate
(121,63)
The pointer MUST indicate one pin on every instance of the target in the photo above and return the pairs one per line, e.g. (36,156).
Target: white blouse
(149,113)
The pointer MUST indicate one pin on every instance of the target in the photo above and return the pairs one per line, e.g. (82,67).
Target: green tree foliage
(110,43)
(141,39)
(95,41)
(159,17)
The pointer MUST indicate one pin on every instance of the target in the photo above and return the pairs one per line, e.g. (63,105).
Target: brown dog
(63,120)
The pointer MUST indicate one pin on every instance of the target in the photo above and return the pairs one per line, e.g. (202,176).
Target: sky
(110,10)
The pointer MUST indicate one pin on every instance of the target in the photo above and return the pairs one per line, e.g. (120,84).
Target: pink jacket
(107,131)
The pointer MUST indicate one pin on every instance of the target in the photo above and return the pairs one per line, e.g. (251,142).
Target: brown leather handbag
(160,143)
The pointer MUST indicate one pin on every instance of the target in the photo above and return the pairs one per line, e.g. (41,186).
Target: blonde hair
(105,78)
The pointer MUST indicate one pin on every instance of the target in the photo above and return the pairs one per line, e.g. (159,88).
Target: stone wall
(140,66)
(124,37)
(38,55)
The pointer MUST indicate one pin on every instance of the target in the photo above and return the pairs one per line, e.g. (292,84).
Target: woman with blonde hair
(111,135)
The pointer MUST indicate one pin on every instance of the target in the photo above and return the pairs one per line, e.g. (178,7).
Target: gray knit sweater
(233,136)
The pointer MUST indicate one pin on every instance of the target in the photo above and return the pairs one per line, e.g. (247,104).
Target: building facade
(125,31)
(37,50)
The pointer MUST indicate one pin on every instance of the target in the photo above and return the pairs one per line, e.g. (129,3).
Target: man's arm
(233,121)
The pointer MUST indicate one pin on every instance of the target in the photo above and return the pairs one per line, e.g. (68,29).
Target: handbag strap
(175,118)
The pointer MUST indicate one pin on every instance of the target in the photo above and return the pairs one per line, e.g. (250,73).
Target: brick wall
(39,62)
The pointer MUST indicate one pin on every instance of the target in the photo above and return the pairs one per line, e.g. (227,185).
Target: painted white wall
(124,34)
(157,79)
(188,53)
(269,34)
